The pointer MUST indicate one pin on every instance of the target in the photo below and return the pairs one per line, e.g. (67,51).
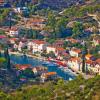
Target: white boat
(70,79)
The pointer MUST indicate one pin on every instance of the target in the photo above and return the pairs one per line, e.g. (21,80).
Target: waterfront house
(2,2)
(75,52)
(48,76)
(22,66)
(58,51)
(13,32)
(3,38)
(93,66)
(13,40)
(38,46)
(22,44)
(75,64)
(51,49)
(39,70)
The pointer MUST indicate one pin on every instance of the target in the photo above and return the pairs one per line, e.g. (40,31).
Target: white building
(75,52)
(75,64)
(13,32)
(93,66)
(37,46)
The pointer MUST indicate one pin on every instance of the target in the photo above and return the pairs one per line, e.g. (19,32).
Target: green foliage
(81,11)
(2,60)
(3,14)
(2,32)
(77,29)
(78,89)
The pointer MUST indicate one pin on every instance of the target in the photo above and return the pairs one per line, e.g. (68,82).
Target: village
(33,37)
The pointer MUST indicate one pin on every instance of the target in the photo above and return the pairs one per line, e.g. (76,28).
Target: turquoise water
(35,62)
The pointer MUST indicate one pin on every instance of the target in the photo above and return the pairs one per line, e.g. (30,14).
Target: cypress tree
(84,52)
(6,54)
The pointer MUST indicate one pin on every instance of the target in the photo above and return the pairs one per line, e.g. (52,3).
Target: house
(58,43)
(48,76)
(21,45)
(89,57)
(13,40)
(2,1)
(75,52)
(51,49)
(56,50)
(36,23)
(37,46)
(96,41)
(39,70)
(13,32)
(22,66)
(75,64)
(72,40)
(93,66)
(3,38)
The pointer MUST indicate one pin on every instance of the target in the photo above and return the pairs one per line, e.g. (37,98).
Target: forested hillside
(78,89)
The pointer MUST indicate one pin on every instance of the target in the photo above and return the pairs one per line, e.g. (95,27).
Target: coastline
(37,57)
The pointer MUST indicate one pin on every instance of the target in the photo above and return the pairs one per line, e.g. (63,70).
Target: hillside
(78,89)
(60,4)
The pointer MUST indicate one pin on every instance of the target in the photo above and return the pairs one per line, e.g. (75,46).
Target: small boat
(70,79)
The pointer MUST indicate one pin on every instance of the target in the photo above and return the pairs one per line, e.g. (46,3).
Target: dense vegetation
(78,89)
(3,14)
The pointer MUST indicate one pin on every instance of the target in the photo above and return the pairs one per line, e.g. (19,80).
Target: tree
(84,52)
(77,29)
(7,57)
(51,54)
(51,21)
(61,26)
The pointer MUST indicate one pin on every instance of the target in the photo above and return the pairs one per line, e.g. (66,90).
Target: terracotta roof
(14,39)
(50,73)
(98,61)
(2,36)
(23,66)
(76,50)
(60,49)
(1,1)
(91,62)
(89,56)
(75,59)
(40,68)
(13,29)
(39,41)
(72,40)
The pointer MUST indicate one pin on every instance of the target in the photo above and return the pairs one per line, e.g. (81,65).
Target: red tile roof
(76,50)
(2,36)
(50,73)
(60,49)
(1,1)
(39,41)
(75,59)
(22,66)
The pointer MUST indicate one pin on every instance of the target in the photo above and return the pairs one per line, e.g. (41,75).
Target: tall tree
(6,54)
(77,29)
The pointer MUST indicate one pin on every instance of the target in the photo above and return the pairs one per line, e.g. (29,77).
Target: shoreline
(39,58)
